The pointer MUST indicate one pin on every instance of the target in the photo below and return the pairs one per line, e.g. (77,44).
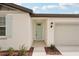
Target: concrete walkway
(39,51)
(39,48)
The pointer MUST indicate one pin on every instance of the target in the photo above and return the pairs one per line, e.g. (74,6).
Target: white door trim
(34,29)
(39,31)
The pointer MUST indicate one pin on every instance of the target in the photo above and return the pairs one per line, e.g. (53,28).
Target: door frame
(41,31)
(34,29)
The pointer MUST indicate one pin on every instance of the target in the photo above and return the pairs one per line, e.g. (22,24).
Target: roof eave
(18,7)
(55,15)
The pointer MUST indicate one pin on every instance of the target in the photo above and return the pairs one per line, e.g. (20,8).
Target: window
(2,26)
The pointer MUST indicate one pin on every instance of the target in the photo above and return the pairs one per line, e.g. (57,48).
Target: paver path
(39,51)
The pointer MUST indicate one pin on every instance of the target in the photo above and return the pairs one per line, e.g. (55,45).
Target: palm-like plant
(22,51)
(52,46)
(0,48)
(10,51)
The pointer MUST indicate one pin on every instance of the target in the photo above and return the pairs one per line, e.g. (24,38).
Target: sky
(53,8)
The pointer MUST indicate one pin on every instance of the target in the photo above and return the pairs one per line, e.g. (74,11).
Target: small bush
(10,51)
(22,51)
(0,48)
(52,46)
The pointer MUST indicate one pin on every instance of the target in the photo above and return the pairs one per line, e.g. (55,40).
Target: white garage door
(66,34)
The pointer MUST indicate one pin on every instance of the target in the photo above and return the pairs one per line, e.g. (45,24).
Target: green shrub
(0,48)
(22,51)
(10,51)
(52,46)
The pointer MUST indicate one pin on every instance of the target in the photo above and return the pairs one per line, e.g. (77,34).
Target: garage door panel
(66,34)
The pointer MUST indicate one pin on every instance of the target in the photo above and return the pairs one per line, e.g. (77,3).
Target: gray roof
(55,15)
(18,7)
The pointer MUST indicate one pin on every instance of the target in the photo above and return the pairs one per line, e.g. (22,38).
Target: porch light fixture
(51,25)
(51,22)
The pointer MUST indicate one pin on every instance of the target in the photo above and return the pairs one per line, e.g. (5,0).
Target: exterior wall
(50,32)
(18,29)
(37,20)
(40,19)
(65,31)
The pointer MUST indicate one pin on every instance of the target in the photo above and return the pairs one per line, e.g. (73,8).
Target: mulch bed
(15,53)
(52,51)
(30,52)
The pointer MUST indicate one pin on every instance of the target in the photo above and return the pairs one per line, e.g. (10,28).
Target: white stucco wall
(50,32)
(34,22)
(65,31)
(19,31)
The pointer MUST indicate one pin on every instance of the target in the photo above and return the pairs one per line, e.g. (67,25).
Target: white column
(50,32)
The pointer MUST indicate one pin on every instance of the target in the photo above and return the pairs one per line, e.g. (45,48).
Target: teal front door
(39,31)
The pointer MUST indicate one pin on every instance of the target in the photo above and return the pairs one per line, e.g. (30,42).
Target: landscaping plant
(10,51)
(0,48)
(22,51)
(0,51)
(52,46)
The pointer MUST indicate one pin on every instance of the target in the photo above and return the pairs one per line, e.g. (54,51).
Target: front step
(39,51)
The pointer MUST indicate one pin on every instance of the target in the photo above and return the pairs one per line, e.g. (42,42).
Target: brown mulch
(15,53)
(30,52)
(52,51)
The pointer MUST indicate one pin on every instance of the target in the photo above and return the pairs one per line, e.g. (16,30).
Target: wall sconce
(51,22)
(51,25)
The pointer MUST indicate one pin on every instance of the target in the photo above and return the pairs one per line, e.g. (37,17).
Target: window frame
(3,26)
